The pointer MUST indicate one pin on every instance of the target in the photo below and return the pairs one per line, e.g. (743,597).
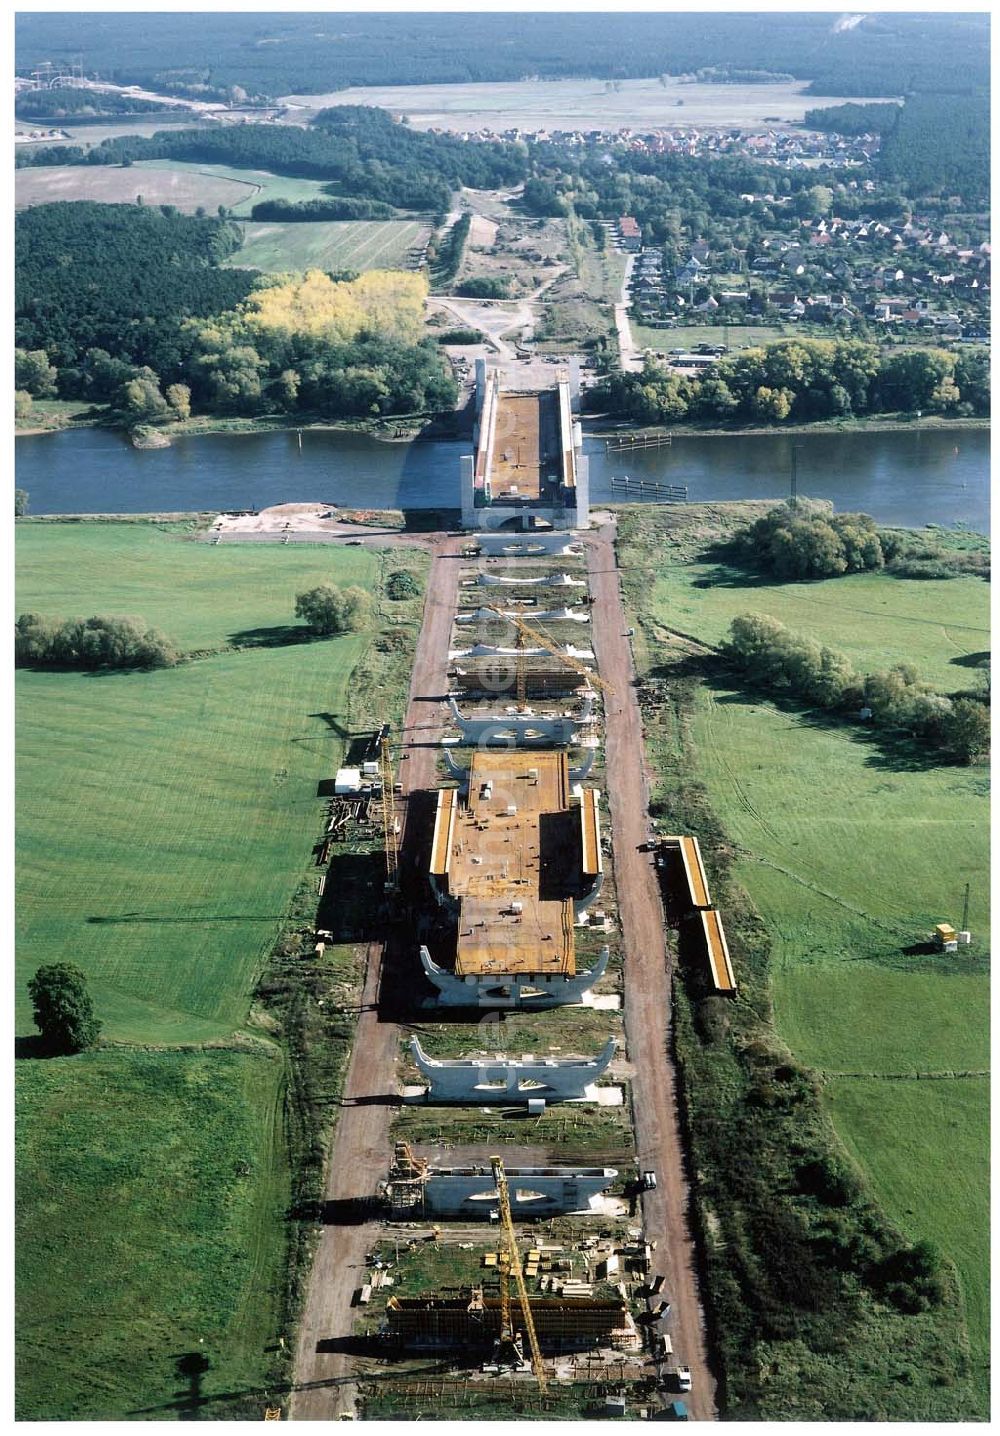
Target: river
(909,477)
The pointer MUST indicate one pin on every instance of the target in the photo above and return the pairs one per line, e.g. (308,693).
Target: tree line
(69,102)
(334,208)
(799,380)
(775,658)
(361,149)
(88,643)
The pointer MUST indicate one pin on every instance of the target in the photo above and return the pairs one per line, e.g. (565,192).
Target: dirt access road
(647,982)
(361,1150)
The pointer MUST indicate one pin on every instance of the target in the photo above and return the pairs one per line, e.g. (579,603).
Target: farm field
(586,104)
(110,184)
(149,1234)
(164,816)
(851,858)
(327,244)
(183,183)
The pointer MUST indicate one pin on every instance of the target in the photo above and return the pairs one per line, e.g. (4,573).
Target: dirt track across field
(360,1155)
(647,983)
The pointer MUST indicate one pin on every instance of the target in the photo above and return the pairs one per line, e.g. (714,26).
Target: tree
(141,399)
(402,584)
(64,1013)
(20,503)
(33,372)
(329,609)
(966,732)
(179,399)
(23,404)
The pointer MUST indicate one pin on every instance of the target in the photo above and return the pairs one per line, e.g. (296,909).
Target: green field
(255,186)
(165,827)
(926,1147)
(877,620)
(151,1189)
(851,857)
(163,817)
(327,244)
(737,336)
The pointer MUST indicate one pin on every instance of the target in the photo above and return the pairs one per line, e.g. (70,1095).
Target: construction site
(507,1188)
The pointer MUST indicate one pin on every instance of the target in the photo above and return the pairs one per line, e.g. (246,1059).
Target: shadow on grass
(141,917)
(33,1047)
(281,635)
(971,660)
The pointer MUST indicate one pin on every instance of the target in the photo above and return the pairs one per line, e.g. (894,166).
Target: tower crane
(389,825)
(524,630)
(510,1261)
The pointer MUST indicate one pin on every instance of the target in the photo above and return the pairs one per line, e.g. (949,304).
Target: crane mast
(388,813)
(513,1263)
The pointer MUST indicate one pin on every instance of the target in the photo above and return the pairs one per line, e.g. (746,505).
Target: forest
(81,105)
(941,143)
(852,119)
(120,278)
(264,55)
(176,330)
(799,380)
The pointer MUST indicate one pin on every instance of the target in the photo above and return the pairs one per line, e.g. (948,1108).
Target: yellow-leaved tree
(389,302)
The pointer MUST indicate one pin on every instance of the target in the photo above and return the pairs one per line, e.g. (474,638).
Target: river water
(910,477)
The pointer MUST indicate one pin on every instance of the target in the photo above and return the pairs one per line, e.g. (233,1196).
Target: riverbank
(408,428)
(600,426)
(401,429)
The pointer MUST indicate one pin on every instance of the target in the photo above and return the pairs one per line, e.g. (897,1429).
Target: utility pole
(793,497)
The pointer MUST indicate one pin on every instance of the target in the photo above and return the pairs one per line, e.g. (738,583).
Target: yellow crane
(509,1261)
(388,812)
(524,630)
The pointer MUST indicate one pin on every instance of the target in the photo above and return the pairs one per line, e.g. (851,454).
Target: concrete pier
(504,1081)
(515,990)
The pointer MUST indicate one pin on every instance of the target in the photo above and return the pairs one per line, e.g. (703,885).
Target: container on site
(348,780)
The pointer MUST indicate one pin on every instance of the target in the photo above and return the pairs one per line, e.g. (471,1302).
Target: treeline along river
(909,477)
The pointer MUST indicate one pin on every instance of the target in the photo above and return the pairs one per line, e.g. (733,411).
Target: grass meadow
(877,620)
(164,834)
(850,856)
(163,817)
(925,1146)
(151,1189)
(327,244)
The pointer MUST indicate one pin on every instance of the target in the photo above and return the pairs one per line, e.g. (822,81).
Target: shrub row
(98,642)
(777,659)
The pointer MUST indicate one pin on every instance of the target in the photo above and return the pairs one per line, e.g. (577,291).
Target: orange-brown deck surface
(495,864)
(718,952)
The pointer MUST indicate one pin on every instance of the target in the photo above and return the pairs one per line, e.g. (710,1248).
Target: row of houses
(789,148)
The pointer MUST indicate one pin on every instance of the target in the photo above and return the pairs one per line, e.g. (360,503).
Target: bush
(459,336)
(802,541)
(329,609)
(484,287)
(88,643)
(402,584)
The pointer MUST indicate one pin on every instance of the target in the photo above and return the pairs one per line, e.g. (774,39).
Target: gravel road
(647,982)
